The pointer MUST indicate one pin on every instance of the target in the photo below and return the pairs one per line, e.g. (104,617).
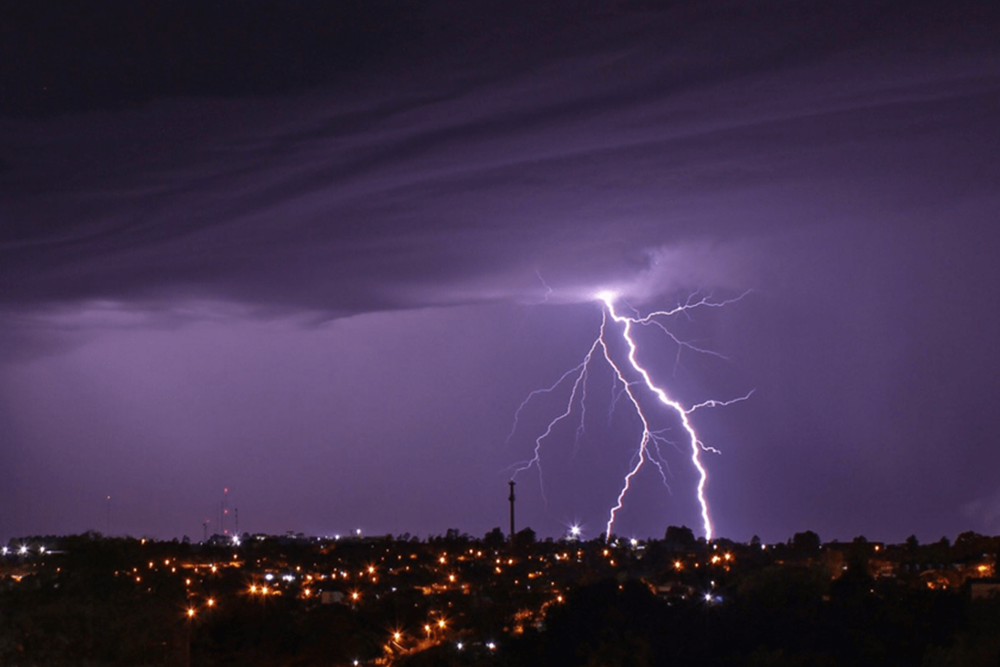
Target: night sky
(318,253)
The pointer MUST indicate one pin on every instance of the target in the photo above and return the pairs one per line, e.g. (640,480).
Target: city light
(549,571)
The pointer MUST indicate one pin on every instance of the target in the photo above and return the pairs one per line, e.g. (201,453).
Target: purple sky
(306,252)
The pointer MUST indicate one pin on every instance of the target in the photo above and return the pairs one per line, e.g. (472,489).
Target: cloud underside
(648,166)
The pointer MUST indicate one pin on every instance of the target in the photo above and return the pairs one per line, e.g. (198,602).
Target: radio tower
(225,510)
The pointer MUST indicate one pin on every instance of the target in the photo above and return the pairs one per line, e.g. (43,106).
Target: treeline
(787,617)
(90,601)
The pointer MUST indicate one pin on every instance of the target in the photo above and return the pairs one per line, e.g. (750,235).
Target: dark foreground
(299,602)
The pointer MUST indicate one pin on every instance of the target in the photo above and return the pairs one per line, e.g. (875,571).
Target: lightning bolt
(648,449)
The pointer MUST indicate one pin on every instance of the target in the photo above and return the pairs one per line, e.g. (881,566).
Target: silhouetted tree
(679,537)
(494,539)
(970,545)
(525,537)
(806,543)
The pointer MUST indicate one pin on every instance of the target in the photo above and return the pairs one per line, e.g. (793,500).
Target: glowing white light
(269,576)
(607,296)
(491,646)
(23,550)
(574,531)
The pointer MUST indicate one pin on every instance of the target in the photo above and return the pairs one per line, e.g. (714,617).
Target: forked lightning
(649,439)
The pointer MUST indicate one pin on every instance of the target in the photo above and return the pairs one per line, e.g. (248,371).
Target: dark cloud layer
(479,146)
(209,208)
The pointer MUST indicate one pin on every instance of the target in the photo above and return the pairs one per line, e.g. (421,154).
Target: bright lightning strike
(649,441)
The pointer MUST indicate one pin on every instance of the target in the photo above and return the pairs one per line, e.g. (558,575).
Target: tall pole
(511,499)
(225,510)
